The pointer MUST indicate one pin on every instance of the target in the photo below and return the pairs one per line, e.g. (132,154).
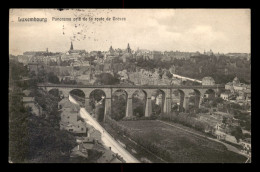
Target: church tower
(128,48)
(71,46)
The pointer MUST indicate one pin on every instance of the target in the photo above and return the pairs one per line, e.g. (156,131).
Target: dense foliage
(222,69)
(118,107)
(185,119)
(106,79)
(35,138)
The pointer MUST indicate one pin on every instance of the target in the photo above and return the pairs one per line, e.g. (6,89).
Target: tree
(168,74)
(52,78)
(237,132)
(118,107)
(138,111)
(106,79)
(36,138)
(224,120)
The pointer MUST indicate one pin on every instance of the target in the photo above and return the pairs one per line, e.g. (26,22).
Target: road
(186,78)
(228,146)
(106,138)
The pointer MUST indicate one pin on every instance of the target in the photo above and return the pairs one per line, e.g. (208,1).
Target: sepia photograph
(129,85)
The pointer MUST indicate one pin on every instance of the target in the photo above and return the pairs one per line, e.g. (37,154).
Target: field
(184,147)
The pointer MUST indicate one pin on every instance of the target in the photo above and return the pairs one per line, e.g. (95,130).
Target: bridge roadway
(186,78)
(135,86)
(106,138)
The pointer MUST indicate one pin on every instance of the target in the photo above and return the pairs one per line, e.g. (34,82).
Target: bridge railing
(132,86)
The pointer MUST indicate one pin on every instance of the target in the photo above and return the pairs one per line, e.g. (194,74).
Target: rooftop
(28,99)
(65,103)
(27,92)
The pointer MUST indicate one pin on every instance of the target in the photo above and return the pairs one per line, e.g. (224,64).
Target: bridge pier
(129,107)
(107,107)
(197,101)
(167,105)
(87,105)
(186,103)
(202,92)
(148,106)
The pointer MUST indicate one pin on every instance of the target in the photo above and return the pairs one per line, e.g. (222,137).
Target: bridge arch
(55,92)
(97,100)
(208,96)
(158,101)
(194,100)
(119,100)
(139,100)
(177,100)
(209,93)
(78,95)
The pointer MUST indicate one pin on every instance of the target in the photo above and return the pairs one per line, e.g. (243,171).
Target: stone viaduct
(129,90)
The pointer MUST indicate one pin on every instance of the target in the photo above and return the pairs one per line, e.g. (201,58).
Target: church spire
(128,48)
(71,46)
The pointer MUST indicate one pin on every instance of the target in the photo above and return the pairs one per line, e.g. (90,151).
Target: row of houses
(237,92)
(90,145)
(222,131)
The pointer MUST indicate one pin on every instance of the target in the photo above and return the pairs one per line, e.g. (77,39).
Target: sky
(190,30)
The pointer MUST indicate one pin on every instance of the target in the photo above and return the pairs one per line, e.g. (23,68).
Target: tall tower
(128,48)
(71,46)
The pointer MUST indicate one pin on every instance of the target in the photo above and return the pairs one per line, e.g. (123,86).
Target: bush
(185,119)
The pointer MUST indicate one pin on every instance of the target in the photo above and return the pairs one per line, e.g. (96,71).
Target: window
(70,129)
(82,129)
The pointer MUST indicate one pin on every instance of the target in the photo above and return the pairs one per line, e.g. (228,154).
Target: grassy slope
(184,146)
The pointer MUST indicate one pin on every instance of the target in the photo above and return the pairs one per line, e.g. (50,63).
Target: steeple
(71,46)
(128,48)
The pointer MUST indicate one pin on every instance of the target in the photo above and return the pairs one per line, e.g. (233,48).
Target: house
(85,140)
(221,135)
(95,134)
(70,118)
(208,81)
(226,95)
(30,102)
(71,122)
(229,86)
(241,95)
(26,92)
(109,157)
(79,151)
(66,104)
(123,75)
(246,132)
(246,143)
